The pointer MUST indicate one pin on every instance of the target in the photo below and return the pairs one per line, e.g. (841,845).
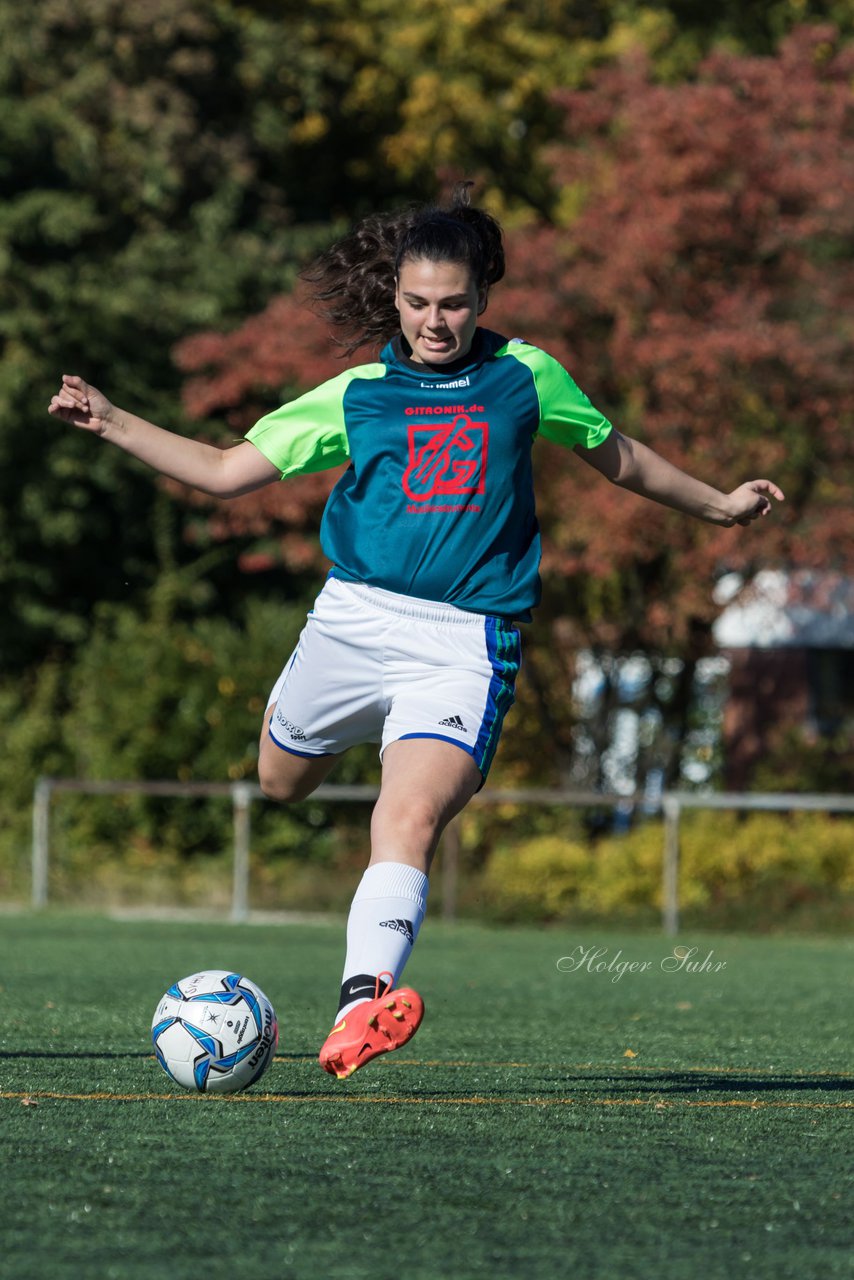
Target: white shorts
(373,666)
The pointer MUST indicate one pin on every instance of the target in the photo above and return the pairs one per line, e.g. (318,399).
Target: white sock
(384,920)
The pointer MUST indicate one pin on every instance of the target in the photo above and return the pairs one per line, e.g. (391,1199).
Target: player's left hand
(751,500)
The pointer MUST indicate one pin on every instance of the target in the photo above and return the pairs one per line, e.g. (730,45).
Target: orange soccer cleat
(372,1027)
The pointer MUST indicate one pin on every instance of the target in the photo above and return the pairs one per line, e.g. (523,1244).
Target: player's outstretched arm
(223,473)
(633,466)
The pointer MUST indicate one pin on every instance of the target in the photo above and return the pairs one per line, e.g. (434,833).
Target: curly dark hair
(353,282)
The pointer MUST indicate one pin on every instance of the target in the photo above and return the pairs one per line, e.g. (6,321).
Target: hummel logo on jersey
(400,926)
(447,386)
(454,722)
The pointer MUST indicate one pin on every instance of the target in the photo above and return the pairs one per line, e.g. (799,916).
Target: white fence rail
(244,793)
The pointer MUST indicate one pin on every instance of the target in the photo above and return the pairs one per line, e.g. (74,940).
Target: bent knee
(413,819)
(282,790)
(282,785)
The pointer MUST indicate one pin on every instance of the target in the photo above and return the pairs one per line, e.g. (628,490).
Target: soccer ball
(215,1032)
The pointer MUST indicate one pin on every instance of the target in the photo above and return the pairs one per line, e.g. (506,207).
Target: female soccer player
(435,549)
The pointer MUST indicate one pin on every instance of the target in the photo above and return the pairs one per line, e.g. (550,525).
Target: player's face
(439,303)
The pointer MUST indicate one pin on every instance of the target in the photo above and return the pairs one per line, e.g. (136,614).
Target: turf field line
(753,1104)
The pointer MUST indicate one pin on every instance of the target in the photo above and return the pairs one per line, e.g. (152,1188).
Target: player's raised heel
(372,1027)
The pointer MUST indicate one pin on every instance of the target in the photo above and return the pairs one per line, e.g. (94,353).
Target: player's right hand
(82,405)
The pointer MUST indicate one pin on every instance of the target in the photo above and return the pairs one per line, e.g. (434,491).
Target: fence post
(41,841)
(670,869)
(450,869)
(241,797)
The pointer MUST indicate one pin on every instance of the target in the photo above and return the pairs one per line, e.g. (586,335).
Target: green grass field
(516,1135)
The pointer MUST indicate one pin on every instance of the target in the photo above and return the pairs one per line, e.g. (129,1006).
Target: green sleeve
(309,433)
(566,415)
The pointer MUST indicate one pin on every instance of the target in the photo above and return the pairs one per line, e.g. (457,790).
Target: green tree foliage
(693,26)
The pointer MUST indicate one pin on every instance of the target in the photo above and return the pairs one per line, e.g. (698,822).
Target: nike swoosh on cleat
(354,991)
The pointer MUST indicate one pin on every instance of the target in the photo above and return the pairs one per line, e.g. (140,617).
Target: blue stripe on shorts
(503,650)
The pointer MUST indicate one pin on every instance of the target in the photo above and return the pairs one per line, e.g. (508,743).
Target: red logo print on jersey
(446,458)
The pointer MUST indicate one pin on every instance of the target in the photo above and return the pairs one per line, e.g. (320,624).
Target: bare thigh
(284,776)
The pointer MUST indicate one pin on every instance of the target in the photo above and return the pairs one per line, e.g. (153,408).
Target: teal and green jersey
(437,501)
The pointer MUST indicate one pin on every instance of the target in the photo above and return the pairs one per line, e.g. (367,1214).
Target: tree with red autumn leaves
(699,287)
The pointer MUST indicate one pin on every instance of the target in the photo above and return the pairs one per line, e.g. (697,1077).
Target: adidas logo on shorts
(400,926)
(453,722)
